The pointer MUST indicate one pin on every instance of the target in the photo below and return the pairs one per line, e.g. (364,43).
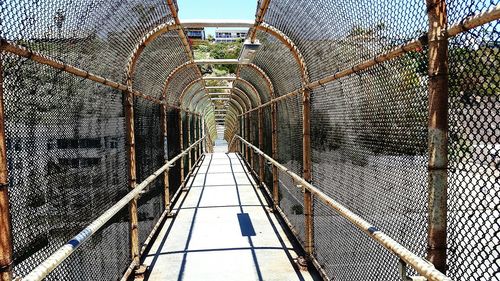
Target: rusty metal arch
(291,46)
(173,25)
(264,75)
(145,40)
(186,90)
(207,97)
(172,74)
(254,90)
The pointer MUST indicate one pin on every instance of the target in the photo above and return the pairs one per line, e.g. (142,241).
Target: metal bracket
(140,272)
(404,276)
(171,215)
(301,263)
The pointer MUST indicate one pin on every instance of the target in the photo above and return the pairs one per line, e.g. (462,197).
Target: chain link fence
(67,148)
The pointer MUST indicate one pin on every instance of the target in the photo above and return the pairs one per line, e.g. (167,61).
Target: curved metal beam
(145,40)
(291,46)
(264,75)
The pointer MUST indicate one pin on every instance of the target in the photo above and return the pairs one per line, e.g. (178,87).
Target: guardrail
(422,266)
(47,266)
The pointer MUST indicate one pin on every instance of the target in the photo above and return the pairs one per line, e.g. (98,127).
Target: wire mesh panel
(98,36)
(290,155)
(173,147)
(185,141)
(474,150)
(369,139)
(149,158)
(157,60)
(267,149)
(278,63)
(254,138)
(334,35)
(251,75)
(67,165)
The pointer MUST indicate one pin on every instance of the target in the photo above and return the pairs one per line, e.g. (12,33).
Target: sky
(217,9)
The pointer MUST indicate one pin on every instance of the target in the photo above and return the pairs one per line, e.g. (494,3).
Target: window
(67,143)
(79,143)
(68,163)
(76,163)
(14,143)
(89,143)
(51,144)
(111,142)
(89,162)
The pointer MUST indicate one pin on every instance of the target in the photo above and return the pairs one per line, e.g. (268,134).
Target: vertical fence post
(307,173)
(197,136)
(438,133)
(242,134)
(261,146)
(134,221)
(166,186)
(274,125)
(181,145)
(247,137)
(5,224)
(200,134)
(251,136)
(188,116)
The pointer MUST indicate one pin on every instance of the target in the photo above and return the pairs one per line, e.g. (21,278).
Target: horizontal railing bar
(467,24)
(199,23)
(45,60)
(160,221)
(422,266)
(218,61)
(218,87)
(229,78)
(47,266)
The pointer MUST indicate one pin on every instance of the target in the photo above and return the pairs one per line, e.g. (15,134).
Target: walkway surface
(222,231)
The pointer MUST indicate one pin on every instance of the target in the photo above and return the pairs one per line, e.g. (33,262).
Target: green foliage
(207,49)
(473,72)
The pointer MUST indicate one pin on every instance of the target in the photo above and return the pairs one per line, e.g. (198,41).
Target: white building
(230,35)
(195,33)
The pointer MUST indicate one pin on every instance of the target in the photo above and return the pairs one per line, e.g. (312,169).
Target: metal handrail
(47,266)
(422,266)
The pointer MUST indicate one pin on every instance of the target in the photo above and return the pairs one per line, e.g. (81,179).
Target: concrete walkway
(222,231)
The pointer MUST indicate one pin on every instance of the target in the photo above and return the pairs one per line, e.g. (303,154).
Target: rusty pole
(166,186)
(134,221)
(307,173)
(274,125)
(181,145)
(5,224)
(248,137)
(195,132)
(261,146)
(438,133)
(200,152)
(242,133)
(188,117)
